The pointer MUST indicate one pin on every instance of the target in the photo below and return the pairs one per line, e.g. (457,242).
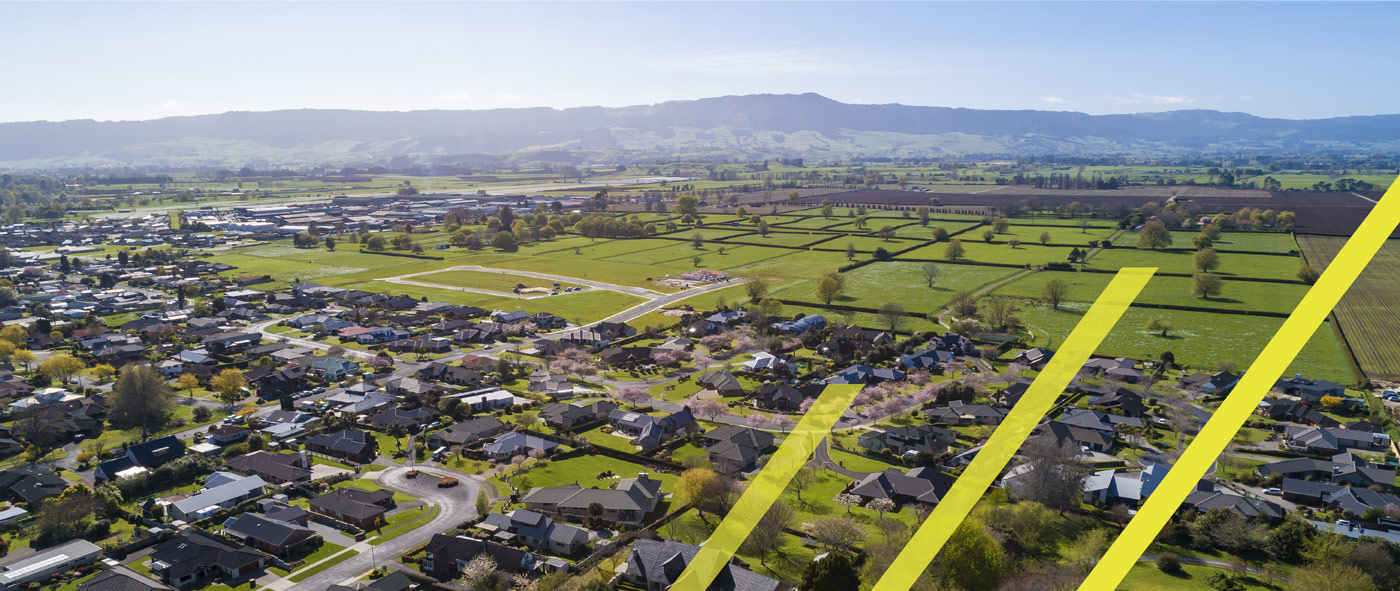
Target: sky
(124,61)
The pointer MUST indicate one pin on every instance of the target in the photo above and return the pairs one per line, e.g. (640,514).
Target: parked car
(1273,491)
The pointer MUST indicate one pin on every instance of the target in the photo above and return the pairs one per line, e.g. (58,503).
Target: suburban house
(909,440)
(733,449)
(346,444)
(1034,358)
(360,508)
(655,565)
(1330,440)
(444,556)
(721,381)
(1309,390)
(566,416)
(535,530)
(140,458)
(30,484)
(412,420)
(650,431)
(190,557)
(1343,468)
(465,433)
(919,486)
(273,536)
(39,566)
(629,502)
(273,468)
(1294,411)
(1206,497)
(335,369)
(221,491)
(516,443)
(785,397)
(1126,401)
(550,383)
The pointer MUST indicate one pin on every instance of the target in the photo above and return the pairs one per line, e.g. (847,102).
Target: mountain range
(749,127)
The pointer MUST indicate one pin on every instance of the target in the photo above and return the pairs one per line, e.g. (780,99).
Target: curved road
(455,505)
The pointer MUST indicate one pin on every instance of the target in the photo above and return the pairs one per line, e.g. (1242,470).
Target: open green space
(1199,340)
(493,281)
(1175,291)
(1231,264)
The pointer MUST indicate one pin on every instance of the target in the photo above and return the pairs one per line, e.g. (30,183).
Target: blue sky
(140,61)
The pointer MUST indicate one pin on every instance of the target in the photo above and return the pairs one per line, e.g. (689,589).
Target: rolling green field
(979,251)
(1174,291)
(1199,339)
(1250,241)
(878,283)
(1240,265)
(502,282)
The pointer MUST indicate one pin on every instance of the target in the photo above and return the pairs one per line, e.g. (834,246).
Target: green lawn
(584,470)
(1175,291)
(501,282)
(1145,576)
(1199,340)
(1231,264)
(306,573)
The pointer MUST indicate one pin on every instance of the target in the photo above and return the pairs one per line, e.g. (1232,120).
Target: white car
(1273,491)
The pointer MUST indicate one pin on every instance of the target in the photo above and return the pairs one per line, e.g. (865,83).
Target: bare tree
(768,534)
(1055,477)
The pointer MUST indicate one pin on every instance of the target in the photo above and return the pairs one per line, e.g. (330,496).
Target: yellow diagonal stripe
(1257,381)
(766,487)
(1012,432)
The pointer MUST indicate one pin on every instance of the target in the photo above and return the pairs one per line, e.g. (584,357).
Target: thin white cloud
(1054,100)
(1151,99)
(758,61)
(172,105)
(1245,97)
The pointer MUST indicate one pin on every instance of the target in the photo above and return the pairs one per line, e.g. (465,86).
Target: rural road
(455,505)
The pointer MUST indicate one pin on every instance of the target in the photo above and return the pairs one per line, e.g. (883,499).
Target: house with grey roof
(629,502)
(221,491)
(658,564)
(517,443)
(535,530)
(273,536)
(924,486)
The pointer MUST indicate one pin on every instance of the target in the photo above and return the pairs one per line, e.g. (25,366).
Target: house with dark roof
(1309,389)
(959,413)
(628,502)
(785,397)
(721,381)
(1207,497)
(1330,440)
(1344,468)
(918,486)
(865,374)
(444,556)
(141,457)
(413,420)
(1034,358)
(567,416)
(658,564)
(346,444)
(1080,437)
(360,508)
(465,433)
(733,449)
(1122,400)
(273,467)
(273,536)
(30,484)
(529,528)
(120,578)
(394,581)
(1294,411)
(190,557)
(908,440)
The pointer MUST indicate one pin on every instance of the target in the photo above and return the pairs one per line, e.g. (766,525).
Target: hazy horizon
(141,61)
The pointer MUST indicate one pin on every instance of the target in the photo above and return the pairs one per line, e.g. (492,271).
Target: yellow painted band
(1008,437)
(766,487)
(1247,393)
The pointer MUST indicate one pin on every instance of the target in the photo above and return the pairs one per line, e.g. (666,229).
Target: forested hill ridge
(748,127)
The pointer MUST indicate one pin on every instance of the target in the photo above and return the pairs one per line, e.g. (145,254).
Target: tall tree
(892,315)
(930,271)
(61,367)
(1055,291)
(1154,235)
(1206,285)
(141,398)
(1206,260)
(229,385)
